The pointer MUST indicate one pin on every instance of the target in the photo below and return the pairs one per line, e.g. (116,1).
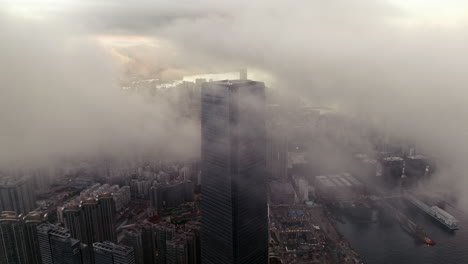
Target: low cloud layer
(374,59)
(60,98)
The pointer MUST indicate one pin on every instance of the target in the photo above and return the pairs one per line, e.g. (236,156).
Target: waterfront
(387,243)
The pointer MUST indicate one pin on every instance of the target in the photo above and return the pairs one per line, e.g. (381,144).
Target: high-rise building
(132,238)
(30,223)
(121,198)
(171,195)
(12,246)
(16,195)
(163,232)
(72,220)
(276,151)
(90,227)
(177,250)
(234,203)
(96,220)
(110,253)
(106,206)
(183,249)
(58,247)
(192,231)
(149,243)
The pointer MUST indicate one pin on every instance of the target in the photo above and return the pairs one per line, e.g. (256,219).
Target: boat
(428,241)
(414,230)
(421,235)
(435,212)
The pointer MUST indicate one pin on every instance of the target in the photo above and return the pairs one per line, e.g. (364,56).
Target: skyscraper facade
(132,238)
(106,207)
(30,223)
(16,195)
(12,244)
(171,195)
(163,232)
(96,220)
(234,206)
(110,253)
(90,228)
(149,243)
(72,220)
(58,247)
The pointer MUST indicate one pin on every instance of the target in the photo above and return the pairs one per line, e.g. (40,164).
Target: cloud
(368,57)
(60,97)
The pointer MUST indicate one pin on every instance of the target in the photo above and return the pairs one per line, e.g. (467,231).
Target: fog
(60,98)
(374,60)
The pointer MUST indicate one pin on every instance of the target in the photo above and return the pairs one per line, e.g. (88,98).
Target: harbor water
(385,242)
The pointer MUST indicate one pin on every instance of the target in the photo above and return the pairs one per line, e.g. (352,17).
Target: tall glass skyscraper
(234,202)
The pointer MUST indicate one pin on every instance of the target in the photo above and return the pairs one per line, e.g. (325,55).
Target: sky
(401,64)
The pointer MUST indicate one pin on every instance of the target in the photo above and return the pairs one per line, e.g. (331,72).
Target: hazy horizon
(398,65)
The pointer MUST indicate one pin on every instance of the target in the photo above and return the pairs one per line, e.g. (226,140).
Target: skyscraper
(171,195)
(72,220)
(16,195)
(12,246)
(106,207)
(30,223)
(110,253)
(133,239)
(149,243)
(90,228)
(58,247)
(276,151)
(96,220)
(182,249)
(234,205)
(164,232)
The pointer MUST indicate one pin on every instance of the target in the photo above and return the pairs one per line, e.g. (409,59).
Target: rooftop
(338,180)
(393,159)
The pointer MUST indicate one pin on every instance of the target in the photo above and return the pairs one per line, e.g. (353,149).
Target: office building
(234,203)
(110,253)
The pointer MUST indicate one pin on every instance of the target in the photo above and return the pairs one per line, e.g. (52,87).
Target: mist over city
(233,131)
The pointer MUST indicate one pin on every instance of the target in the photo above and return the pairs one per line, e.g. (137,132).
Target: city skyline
(233,132)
